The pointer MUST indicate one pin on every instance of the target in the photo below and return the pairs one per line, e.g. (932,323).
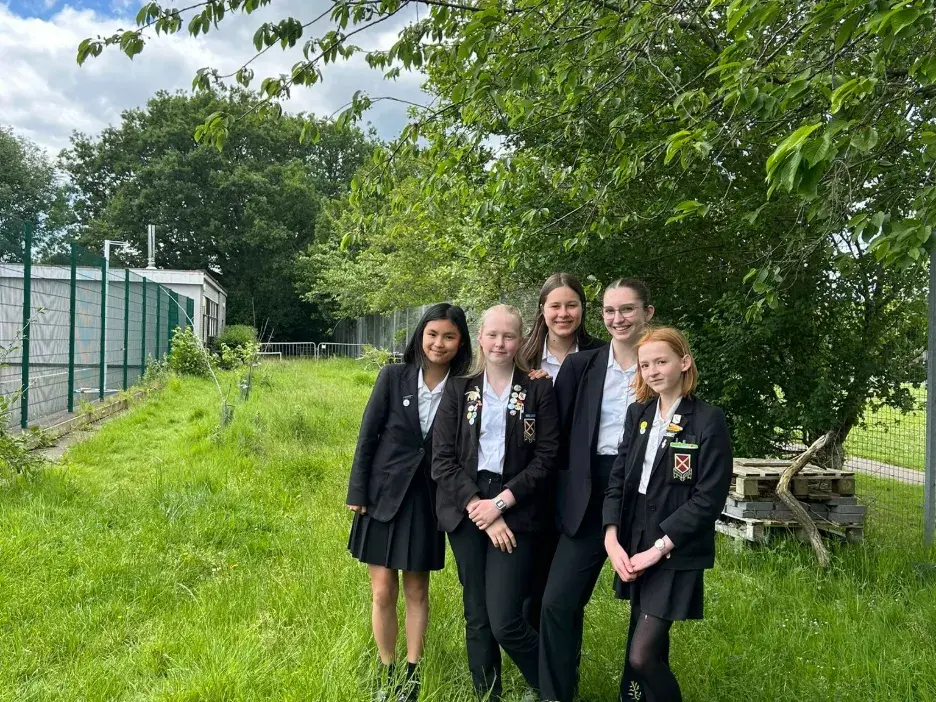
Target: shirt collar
(421,384)
(549,358)
(612,361)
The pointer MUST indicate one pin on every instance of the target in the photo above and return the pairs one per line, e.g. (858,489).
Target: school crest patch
(682,466)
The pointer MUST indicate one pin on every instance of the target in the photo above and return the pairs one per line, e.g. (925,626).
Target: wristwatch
(660,545)
(500,504)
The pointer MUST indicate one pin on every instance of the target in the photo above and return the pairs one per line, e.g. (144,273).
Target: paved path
(884,470)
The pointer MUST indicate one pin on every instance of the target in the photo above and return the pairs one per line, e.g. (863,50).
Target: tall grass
(170,560)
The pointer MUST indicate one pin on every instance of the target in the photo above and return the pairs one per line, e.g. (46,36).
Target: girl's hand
(646,559)
(537,373)
(620,561)
(483,513)
(501,536)
(357,508)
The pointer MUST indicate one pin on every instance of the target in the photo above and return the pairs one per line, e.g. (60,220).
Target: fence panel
(75,332)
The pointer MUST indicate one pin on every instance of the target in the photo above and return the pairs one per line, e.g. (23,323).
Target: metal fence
(77,332)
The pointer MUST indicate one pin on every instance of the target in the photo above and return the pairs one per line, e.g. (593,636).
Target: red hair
(680,346)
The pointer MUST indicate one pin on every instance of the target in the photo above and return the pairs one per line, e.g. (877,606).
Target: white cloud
(45,95)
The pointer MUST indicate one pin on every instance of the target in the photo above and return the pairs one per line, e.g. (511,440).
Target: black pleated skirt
(674,595)
(411,541)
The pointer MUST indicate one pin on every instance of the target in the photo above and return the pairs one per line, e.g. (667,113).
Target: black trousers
(572,578)
(494,586)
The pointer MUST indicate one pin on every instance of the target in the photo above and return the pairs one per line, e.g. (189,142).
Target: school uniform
(593,393)
(549,538)
(671,477)
(391,475)
(484,443)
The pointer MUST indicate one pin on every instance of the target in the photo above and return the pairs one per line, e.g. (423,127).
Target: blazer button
(653,508)
(422,450)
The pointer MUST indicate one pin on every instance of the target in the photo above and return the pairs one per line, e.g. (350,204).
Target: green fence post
(158,315)
(143,336)
(103,364)
(174,312)
(72,305)
(126,324)
(27,304)
(190,313)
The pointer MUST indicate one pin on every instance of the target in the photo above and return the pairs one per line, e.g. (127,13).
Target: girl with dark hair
(559,328)
(391,491)
(667,487)
(593,391)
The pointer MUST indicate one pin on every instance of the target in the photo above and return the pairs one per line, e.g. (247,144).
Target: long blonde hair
(479,364)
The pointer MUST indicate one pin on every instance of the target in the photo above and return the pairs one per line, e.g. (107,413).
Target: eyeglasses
(624,311)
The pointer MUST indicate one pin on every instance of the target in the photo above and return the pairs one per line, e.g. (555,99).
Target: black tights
(647,661)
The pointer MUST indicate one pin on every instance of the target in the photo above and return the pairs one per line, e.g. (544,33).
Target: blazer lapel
(474,434)
(594,385)
(636,457)
(684,411)
(409,382)
(514,419)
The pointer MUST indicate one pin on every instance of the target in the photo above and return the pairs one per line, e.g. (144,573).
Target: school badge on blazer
(529,428)
(682,466)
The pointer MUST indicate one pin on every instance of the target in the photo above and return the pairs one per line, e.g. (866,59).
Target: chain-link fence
(78,332)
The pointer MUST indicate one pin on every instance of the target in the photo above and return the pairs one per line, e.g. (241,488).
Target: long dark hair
(532,351)
(413,353)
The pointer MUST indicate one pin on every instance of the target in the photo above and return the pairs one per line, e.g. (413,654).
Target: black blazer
(390,446)
(579,390)
(529,460)
(688,486)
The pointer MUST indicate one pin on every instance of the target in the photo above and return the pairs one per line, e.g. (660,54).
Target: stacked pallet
(754,511)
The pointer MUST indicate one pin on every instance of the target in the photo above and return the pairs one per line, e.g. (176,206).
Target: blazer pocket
(682,461)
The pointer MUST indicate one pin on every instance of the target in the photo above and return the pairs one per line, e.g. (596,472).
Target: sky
(45,96)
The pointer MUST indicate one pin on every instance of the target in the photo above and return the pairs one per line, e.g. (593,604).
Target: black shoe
(410,689)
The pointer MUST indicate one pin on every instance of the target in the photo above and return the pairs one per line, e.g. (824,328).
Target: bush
(236,336)
(188,356)
(375,358)
(231,357)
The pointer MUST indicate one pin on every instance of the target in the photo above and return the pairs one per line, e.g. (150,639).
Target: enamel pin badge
(682,466)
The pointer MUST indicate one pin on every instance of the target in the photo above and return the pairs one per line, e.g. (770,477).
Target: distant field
(893,437)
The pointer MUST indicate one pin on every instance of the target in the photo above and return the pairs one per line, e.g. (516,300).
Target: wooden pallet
(763,530)
(759,478)
(838,510)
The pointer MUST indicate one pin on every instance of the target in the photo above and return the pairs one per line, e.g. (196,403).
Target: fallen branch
(802,516)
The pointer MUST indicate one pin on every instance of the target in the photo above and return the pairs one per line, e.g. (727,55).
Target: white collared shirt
(550,363)
(654,444)
(617,397)
(492,441)
(429,401)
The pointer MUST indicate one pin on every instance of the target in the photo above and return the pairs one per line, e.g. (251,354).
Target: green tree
(30,190)
(244,214)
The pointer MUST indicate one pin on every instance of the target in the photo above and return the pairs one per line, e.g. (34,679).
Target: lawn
(892,437)
(168,559)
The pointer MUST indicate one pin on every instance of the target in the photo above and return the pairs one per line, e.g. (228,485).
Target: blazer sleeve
(614,495)
(566,390)
(528,481)
(375,418)
(447,470)
(711,489)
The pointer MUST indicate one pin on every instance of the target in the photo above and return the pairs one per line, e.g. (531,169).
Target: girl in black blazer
(667,487)
(558,331)
(496,439)
(390,489)
(593,392)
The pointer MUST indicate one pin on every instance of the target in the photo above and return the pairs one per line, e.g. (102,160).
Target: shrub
(236,336)
(375,358)
(231,357)
(187,356)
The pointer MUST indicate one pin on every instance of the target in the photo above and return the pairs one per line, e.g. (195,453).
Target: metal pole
(72,305)
(126,343)
(27,305)
(929,485)
(103,373)
(158,313)
(143,335)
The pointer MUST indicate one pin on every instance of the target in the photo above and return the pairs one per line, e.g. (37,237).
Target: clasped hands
(629,568)
(485,515)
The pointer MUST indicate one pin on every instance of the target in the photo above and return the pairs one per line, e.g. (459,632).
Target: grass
(170,560)
(891,436)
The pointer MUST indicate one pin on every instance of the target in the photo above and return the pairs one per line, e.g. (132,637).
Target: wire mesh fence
(76,332)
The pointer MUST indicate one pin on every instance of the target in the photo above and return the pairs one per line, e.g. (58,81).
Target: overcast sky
(45,95)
